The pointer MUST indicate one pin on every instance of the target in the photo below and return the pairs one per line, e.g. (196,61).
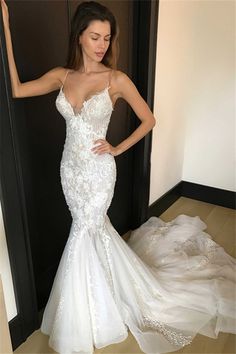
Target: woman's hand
(5,13)
(104,147)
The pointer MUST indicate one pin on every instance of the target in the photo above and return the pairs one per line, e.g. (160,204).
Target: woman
(102,288)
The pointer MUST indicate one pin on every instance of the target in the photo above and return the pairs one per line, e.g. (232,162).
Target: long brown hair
(86,12)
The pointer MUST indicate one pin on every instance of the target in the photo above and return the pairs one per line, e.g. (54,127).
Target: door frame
(144,66)
(14,210)
(11,184)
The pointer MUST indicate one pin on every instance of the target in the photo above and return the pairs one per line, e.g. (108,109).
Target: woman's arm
(48,82)
(128,91)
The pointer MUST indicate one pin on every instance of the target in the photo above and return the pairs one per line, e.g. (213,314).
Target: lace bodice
(87,125)
(93,117)
(82,171)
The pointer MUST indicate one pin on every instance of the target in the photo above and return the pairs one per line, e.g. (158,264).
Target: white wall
(6,275)
(194,138)
(210,133)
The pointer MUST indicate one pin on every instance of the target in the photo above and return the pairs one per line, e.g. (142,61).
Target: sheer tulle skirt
(170,282)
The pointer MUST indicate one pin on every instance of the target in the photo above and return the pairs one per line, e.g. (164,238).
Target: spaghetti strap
(64,80)
(109,81)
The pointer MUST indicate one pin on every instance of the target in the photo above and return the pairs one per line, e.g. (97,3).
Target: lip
(100,54)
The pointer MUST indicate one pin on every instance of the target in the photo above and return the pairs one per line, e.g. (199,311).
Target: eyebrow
(99,34)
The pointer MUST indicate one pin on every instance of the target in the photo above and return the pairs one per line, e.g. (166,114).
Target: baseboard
(164,202)
(15,331)
(196,191)
(208,194)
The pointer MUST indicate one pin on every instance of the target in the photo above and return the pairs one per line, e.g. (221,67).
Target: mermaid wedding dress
(168,283)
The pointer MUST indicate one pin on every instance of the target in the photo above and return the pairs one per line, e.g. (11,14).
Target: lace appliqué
(172,336)
(108,271)
(176,338)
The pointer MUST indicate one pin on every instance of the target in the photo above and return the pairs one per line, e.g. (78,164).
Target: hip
(88,163)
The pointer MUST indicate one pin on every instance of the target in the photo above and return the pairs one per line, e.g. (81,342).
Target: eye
(96,38)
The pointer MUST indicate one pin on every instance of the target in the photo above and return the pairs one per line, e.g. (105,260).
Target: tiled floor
(221,225)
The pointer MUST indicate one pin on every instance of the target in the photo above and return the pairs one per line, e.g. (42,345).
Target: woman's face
(95,40)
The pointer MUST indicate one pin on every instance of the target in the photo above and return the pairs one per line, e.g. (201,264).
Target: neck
(88,68)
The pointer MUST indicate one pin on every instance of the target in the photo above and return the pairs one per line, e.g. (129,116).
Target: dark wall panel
(40,38)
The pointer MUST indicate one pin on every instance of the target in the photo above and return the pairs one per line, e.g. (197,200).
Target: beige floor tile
(129,346)
(36,343)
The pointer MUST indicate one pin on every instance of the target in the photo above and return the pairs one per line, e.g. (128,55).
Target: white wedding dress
(168,283)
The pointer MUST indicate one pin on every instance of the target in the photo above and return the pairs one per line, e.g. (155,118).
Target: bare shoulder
(56,76)
(119,77)
(59,73)
(125,88)
(122,84)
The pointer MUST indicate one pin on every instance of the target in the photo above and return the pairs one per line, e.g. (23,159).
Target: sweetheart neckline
(86,100)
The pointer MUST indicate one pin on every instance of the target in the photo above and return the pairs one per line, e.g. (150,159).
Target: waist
(82,141)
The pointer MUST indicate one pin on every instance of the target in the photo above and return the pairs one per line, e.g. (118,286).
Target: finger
(96,146)
(102,143)
(99,146)
(101,150)
(99,141)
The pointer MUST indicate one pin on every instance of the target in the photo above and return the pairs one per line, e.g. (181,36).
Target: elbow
(16,94)
(150,123)
(153,122)
(16,90)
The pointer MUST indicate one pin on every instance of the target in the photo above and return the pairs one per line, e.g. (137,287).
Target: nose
(102,43)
